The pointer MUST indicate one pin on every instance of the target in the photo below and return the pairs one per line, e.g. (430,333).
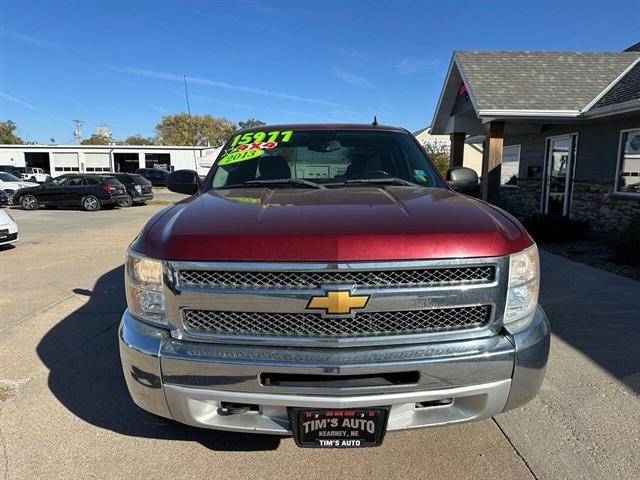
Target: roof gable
(540,81)
(627,89)
(633,48)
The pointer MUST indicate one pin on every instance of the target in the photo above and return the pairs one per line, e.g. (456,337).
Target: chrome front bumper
(188,381)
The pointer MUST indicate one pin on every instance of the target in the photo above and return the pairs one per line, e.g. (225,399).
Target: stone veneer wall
(523,200)
(606,212)
(592,201)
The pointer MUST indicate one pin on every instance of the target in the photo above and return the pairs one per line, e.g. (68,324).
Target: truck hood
(330,225)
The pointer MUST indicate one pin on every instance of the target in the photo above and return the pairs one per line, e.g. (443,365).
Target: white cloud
(255,109)
(160,109)
(215,83)
(352,79)
(411,65)
(29,39)
(13,99)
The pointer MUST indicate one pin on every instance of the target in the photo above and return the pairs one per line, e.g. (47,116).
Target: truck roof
(326,126)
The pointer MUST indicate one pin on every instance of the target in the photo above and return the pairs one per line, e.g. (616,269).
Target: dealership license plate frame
(297,415)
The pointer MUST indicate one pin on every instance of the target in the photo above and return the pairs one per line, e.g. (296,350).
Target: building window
(510,166)
(629,162)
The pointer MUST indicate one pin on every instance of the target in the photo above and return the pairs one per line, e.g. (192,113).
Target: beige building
(472,152)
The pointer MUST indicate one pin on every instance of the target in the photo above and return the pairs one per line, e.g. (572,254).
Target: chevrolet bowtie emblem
(339,302)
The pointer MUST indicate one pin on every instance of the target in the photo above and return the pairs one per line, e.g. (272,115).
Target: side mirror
(463,180)
(184,181)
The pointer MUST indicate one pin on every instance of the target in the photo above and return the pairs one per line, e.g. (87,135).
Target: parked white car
(8,229)
(35,175)
(10,184)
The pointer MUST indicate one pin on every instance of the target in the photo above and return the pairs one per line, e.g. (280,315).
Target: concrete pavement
(585,423)
(65,411)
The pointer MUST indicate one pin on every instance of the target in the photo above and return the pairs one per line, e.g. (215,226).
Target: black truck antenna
(375,121)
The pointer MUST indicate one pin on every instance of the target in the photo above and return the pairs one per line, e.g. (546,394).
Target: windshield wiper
(379,181)
(278,181)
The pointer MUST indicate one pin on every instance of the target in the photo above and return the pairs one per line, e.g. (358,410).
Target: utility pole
(193,133)
(77,134)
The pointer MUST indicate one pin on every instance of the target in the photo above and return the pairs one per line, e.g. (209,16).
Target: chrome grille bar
(266,303)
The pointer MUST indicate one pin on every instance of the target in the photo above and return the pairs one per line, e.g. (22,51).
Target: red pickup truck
(324,281)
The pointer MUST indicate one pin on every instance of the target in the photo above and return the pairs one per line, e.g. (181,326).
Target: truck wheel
(29,202)
(125,201)
(91,203)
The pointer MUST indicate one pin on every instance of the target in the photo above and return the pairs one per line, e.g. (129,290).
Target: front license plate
(354,428)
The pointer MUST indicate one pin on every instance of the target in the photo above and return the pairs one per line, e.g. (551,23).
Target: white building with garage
(60,159)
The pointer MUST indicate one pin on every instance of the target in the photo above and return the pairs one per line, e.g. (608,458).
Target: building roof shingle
(540,80)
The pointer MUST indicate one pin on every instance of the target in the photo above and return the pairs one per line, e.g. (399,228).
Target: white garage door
(65,162)
(97,162)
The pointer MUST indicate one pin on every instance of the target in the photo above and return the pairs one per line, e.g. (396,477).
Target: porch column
(457,149)
(491,159)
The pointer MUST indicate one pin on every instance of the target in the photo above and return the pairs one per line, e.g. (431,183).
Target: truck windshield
(324,157)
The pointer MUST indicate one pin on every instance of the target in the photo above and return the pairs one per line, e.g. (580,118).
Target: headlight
(143,281)
(524,284)
(138,188)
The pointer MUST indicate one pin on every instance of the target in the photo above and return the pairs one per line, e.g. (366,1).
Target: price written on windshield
(256,137)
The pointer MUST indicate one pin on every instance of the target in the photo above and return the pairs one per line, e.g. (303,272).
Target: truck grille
(297,280)
(313,325)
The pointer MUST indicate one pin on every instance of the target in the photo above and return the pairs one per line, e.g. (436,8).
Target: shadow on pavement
(596,312)
(81,352)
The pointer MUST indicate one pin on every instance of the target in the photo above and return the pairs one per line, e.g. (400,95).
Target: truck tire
(29,202)
(91,203)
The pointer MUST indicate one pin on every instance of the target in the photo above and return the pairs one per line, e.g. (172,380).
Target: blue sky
(121,63)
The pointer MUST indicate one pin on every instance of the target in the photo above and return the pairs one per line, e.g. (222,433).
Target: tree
(250,122)
(96,139)
(199,130)
(7,133)
(439,155)
(140,140)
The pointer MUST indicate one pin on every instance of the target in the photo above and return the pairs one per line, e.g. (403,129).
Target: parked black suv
(156,176)
(90,192)
(138,188)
